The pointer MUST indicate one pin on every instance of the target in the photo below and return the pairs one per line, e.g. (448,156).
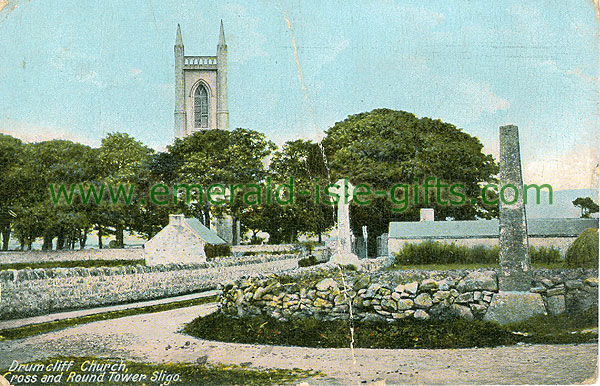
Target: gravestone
(513,302)
(343,252)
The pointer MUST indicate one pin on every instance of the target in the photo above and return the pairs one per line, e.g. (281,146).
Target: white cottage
(181,241)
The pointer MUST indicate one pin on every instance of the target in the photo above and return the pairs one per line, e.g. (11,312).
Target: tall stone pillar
(515,273)
(513,302)
(222,109)
(180,117)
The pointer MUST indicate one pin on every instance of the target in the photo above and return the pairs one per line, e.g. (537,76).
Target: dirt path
(155,338)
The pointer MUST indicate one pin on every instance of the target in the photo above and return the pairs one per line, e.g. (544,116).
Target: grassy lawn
(448,267)
(41,328)
(72,264)
(132,373)
(407,333)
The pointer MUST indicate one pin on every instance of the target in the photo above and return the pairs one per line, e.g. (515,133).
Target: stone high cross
(515,273)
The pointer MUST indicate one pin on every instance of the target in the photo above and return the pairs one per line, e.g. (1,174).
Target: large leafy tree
(386,147)
(303,162)
(53,163)
(124,162)
(219,157)
(11,156)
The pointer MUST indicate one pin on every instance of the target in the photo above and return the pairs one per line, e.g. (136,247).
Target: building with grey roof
(547,232)
(181,241)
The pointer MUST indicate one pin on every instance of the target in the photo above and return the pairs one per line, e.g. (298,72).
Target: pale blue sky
(78,70)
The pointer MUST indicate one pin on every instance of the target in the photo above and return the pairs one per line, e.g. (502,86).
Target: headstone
(513,302)
(343,252)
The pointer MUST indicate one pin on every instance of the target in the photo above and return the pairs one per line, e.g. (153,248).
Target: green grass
(72,264)
(41,328)
(173,374)
(407,333)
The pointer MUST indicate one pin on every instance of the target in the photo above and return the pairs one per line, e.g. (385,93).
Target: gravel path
(155,338)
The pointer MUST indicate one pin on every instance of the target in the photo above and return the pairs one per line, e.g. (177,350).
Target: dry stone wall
(321,293)
(31,292)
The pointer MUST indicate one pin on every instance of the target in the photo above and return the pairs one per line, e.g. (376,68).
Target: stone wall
(31,292)
(321,293)
(263,248)
(12,257)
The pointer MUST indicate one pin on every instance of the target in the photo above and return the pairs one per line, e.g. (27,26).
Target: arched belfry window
(201,107)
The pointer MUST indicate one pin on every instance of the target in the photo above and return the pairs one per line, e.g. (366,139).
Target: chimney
(176,219)
(427,214)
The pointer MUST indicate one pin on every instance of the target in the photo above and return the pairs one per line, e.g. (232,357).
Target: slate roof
(205,233)
(540,227)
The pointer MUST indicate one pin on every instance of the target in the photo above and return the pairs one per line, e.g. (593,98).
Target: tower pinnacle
(178,40)
(222,35)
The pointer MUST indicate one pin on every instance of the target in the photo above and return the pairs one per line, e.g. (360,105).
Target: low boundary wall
(389,295)
(32,292)
(12,257)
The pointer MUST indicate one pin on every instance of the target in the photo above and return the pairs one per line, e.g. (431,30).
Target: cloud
(576,169)
(30,132)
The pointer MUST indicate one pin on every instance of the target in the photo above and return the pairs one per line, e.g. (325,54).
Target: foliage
(404,333)
(584,250)
(213,251)
(310,332)
(559,329)
(308,261)
(385,147)
(587,205)
(435,252)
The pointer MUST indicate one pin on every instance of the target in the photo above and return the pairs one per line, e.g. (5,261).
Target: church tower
(200,89)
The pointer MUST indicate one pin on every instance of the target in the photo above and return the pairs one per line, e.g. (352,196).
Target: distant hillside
(562,205)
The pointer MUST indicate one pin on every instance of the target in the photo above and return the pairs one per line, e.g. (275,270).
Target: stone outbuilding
(181,241)
(542,232)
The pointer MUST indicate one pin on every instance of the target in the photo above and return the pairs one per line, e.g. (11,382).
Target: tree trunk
(82,238)
(60,240)
(47,245)
(100,237)
(119,236)
(5,237)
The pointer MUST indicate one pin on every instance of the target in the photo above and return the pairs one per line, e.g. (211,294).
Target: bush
(435,252)
(308,261)
(213,251)
(583,253)
(544,255)
(310,332)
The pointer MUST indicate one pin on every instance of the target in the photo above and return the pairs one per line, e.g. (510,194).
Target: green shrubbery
(213,251)
(406,333)
(310,332)
(308,261)
(584,250)
(435,252)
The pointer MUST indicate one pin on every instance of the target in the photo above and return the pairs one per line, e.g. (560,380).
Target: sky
(79,70)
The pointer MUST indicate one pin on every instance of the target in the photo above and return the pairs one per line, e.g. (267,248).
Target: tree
(386,147)
(587,206)
(303,161)
(124,162)
(11,155)
(220,157)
